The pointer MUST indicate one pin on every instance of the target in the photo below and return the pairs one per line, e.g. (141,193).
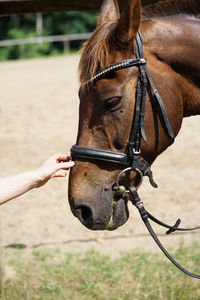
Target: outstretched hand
(56,166)
(16,185)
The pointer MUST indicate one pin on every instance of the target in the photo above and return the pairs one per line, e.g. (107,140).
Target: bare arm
(14,186)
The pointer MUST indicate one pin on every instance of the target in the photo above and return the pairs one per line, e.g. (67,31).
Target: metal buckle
(136,152)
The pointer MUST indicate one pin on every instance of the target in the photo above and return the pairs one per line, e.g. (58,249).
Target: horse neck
(175,43)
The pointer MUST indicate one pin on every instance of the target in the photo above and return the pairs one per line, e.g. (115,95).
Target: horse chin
(119,214)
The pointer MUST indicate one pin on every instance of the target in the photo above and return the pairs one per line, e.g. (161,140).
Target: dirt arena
(38,117)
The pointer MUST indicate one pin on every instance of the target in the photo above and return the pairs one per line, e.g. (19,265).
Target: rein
(130,159)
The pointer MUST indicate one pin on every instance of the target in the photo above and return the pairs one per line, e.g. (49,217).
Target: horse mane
(166,8)
(95,51)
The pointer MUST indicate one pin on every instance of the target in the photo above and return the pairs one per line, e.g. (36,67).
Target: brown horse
(171,46)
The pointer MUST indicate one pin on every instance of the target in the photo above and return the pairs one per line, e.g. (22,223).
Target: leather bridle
(132,159)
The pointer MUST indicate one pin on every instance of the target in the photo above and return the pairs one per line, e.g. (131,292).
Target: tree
(22,26)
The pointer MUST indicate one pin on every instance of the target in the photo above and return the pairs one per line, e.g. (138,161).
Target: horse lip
(95,226)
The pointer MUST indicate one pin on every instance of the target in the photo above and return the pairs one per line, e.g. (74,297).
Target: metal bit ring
(126,170)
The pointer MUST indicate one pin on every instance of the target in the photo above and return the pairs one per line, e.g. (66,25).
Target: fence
(65,38)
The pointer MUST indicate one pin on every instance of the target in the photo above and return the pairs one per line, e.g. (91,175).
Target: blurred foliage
(24,26)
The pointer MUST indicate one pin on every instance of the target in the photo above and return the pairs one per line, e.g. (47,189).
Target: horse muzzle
(98,207)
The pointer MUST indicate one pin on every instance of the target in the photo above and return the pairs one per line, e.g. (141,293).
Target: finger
(64,165)
(63,158)
(59,157)
(58,174)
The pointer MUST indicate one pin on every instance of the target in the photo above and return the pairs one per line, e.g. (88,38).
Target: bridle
(131,159)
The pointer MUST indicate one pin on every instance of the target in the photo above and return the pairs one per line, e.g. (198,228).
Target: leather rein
(130,159)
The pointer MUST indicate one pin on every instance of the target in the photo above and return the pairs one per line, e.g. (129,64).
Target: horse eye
(112,103)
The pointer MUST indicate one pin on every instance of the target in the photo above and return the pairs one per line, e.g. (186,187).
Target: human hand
(56,166)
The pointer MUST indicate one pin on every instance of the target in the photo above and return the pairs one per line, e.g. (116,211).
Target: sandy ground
(38,117)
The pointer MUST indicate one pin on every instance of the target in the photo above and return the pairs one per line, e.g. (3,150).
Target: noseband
(131,159)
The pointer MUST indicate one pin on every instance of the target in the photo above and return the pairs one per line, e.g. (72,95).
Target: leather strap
(161,107)
(78,152)
(155,94)
(123,64)
(136,201)
(171,228)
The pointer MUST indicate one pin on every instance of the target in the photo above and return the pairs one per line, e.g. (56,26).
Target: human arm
(16,185)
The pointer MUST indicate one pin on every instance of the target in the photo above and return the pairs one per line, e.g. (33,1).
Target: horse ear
(109,12)
(129,22)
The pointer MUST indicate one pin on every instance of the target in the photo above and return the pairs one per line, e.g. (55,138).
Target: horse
(108,105)
(171,7)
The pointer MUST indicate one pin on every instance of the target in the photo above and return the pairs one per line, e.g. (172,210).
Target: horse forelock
(95,52)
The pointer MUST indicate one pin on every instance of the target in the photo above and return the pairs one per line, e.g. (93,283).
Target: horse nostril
(84,213)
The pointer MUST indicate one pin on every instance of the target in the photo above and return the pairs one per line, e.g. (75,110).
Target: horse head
(106,115)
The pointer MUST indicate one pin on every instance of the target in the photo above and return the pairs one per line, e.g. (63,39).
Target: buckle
(136,152)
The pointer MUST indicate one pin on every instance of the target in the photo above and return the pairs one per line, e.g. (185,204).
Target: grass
(49,274)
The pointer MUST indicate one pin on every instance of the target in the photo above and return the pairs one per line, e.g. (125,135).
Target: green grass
(49,274)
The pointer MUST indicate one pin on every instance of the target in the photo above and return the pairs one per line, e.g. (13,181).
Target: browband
(123,64)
